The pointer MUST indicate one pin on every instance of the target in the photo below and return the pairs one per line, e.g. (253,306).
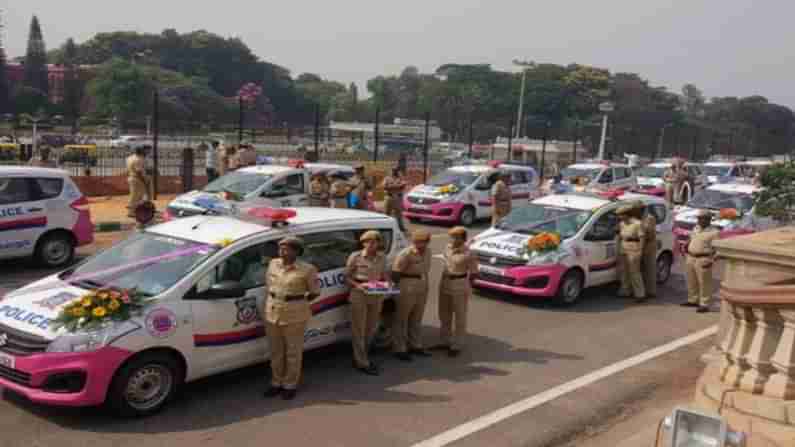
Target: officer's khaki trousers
(410,309)
(454,297)
(632,277)
(699,280)
(394,208)
(365,314)
(137,192)
(499,210)
(287,353)
(650,267)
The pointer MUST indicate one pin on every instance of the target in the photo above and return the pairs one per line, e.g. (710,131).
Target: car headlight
(448,198)
(93,340)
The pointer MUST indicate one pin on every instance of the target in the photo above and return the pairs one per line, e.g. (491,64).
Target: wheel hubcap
(148,387)
(56,251)
(663,267)
(571,289)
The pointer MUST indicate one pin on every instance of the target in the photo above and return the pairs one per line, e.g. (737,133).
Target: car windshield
(240,183)
(534,219)
(713,170)
(650,171)
(453,177)
(570,173)
(717,200)
(149,262)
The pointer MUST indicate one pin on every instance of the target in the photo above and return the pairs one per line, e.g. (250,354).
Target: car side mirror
(223,289)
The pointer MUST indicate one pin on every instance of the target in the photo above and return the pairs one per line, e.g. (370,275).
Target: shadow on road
(329,382)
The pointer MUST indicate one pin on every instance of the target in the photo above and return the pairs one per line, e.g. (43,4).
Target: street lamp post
(605,108)
(526,65)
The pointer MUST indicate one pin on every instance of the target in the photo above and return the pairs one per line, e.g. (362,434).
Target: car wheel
(55,250)
(144,385)
(664,263)
(467,217)
(570,288)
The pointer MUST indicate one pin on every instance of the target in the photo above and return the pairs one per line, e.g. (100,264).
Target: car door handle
(35,210)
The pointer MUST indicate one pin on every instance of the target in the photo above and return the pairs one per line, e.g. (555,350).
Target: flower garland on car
(543,242)
(448,189)
(99,307)
(729,214)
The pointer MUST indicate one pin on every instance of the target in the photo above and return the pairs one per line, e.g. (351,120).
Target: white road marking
(485,421)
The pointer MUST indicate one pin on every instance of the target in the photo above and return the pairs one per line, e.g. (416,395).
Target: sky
(725,47)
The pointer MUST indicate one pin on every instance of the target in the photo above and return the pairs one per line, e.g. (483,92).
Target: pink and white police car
(586,257)
(42,214)
(205,278)
(462,194)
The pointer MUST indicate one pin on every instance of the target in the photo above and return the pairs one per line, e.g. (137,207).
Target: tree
(36,59)
(777,198)
(5,92)
(28,100)
(73,86)
(354,112)
(692,99)
(121,90)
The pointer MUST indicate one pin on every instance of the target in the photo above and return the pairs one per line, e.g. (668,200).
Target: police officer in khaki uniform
(649,263)
(394,185)
(632,237)
(318,190)
(455,290)
(362,267)
(500,198)
(360,187)
(223,159)
(700,257)
(137,180)
(338,191)
(292,285)
(410,272)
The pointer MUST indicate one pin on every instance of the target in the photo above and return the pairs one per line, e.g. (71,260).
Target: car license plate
(7,360)
(421,207)
(491,270)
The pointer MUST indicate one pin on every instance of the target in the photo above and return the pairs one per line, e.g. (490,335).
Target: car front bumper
(529,281)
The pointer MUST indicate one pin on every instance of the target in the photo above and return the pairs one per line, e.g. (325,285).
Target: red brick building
(55,74)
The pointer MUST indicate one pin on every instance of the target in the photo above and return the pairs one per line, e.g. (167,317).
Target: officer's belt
(318,197)
(289,297)
(394,194)
(461,276)
(632,239)
(410,276)
(703,255)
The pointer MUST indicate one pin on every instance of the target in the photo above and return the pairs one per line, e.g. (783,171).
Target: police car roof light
(295,163)
(276,216)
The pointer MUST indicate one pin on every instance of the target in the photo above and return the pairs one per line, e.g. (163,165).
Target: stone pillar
(737,364)
(782,382)
(767,330)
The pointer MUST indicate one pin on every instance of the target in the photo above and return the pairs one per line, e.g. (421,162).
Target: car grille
(15,375)
(181,212)
(485,259)
(420,211)
(423,200)
(21,344)
(496,279)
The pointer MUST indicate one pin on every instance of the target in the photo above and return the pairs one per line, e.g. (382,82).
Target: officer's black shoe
(453,352)
(272,391)
(702,309)
(688,304)
(289,394)
(640,300)
(403,356)
(371,370)
(420,353)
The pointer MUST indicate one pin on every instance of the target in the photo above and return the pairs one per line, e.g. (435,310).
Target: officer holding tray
(363,267)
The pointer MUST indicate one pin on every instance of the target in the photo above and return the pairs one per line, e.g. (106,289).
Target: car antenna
(198,223)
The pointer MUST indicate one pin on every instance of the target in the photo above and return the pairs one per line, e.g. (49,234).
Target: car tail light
(80,204)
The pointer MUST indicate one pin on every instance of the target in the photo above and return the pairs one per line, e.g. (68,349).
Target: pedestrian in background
(318,190)
(292,285)
(649,262)
(632,238)
(210,160)
(455,290)
(232,158)
(500,197)
(700,258)
(360,188)
(363,267)
(248,156)
(137,180)
(339,191)
(394,185)
(410,272)
(223,158)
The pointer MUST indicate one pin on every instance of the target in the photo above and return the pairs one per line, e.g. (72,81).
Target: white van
(42,214)
(462,194)
(204,279)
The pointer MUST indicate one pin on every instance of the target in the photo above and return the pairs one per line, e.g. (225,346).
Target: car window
(295,184)
(329,250)
(619,173)
(607,176)
(605,227)
(49,188)
(518,178)
(247,266)
(15,190)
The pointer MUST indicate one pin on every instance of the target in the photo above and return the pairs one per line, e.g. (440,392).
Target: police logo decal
(247,311)
(161,323)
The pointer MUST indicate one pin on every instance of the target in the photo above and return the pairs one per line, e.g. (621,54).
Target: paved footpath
(519,351)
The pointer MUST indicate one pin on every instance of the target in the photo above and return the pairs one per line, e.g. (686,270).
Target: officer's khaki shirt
(410,262)
(701,241)
(359,186)
(394,186)
(459,261)
(339,189)
(360,268)
(135,167)
(500,192)
(632,231)
(297,279)
(650,228)
(318,189)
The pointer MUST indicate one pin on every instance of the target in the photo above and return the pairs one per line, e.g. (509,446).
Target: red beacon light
(611,194)
(277,217)
(295,163)
(494,163)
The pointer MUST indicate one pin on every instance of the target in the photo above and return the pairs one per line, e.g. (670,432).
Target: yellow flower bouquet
(543,242)
(98,307)
(729,214)
(448,189)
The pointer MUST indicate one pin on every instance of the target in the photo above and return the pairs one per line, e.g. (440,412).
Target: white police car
(586,257)
(204,276)
(601,175)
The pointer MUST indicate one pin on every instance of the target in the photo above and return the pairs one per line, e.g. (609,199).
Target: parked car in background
(600,176)
(722,172)
(130,141)
(650,180)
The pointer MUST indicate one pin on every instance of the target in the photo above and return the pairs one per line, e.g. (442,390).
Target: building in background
(55,74)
